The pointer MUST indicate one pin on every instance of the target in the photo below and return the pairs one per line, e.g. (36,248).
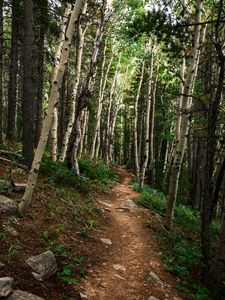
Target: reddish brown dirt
(134,248)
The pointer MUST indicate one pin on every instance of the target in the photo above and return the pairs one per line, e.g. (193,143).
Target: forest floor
(87,267)
(133,253)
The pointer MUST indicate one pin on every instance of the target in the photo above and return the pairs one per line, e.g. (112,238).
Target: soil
(133,246)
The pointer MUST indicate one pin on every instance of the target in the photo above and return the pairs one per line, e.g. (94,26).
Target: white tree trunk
(54,135)
(147,116)
(58,72)
(136,154)
(184,122)
(81,36)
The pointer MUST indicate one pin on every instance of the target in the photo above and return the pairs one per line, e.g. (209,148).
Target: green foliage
(181,247)
(93,173)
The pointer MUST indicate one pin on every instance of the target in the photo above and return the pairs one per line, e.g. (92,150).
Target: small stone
(11,230)
(7,206)
(6,286)
(154,278)
(44,265)
(22,295)
(106,241)
(118,267)
(105,203)
(2,266)
(83,296)
(120,277)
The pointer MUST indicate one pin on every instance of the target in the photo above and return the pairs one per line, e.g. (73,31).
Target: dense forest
(132,83)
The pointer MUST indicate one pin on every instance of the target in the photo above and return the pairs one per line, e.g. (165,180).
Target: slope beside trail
(123,273)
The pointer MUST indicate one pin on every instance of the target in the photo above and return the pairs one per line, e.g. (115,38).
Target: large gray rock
(7,206)
(6,286)
(44,265)
(128,205)
(21,295)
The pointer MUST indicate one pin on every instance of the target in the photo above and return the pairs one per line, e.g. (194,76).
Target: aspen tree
(184,122)
(147,117)
(80,47)
(136,154)
(58,72)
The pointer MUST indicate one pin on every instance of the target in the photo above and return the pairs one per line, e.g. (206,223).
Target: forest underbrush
(181,247)
(65,218)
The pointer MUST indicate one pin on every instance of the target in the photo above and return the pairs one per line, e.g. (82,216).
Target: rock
(7,206)
(43,264)
(128,205)
(154,278)
(2,266)
(106,241)
(11,230)
(119,268)
(6,286)
(83,296)
(153,298)
(21,295)
(120,277)
(105,203)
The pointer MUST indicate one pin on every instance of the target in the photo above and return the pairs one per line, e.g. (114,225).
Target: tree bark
(13,72)
(58,72)
(147,118)
(184,123)
(136,103)
(80,47)
(1,71)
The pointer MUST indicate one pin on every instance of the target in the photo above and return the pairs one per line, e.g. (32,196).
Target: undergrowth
(181,247)
(94,174)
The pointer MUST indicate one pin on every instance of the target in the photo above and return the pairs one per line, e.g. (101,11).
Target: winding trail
(133,249)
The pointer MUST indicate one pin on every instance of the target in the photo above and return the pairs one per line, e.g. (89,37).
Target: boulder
(21,295)
(44,265)
(6,286)
(128,205)
(7,206)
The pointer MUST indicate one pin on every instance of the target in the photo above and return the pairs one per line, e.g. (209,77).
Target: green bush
(93,173)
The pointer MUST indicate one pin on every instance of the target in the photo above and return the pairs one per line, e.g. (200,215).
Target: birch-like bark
(147,116)
(109,115)
(152,130)
(54,135)
(184,124)
(83,132)
(86,91)
(136,154)
(81,37)
(104,77)
(58,72)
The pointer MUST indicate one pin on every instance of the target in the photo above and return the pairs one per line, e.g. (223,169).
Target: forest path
(133,250)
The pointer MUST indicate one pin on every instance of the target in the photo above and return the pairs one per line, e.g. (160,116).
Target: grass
(181,247)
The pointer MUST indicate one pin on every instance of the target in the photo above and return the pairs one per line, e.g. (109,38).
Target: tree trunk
(86,91)
(13,72)
(1,71)
(147,118)
(58,72)
(28,82)
(184,124)
(80,47)
(136,103)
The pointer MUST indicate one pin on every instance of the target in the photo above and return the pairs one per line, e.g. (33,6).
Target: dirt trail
(134,249)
